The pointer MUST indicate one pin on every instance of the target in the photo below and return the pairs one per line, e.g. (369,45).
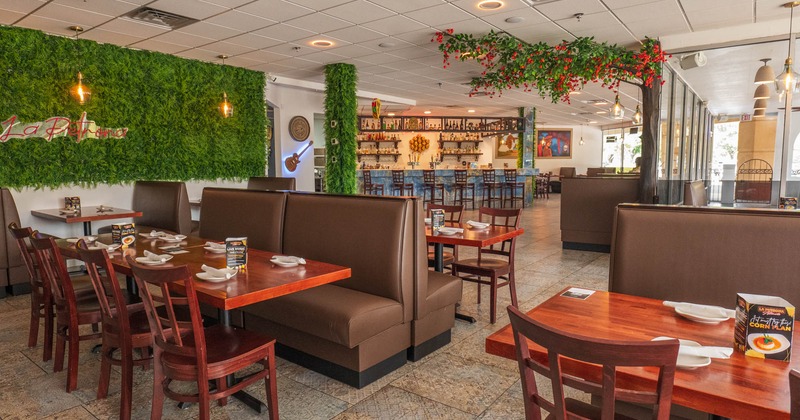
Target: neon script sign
(53,127)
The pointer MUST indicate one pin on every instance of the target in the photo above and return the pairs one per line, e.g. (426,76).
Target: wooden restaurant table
(87,215)
(740,387)
(261,281)
(470,237)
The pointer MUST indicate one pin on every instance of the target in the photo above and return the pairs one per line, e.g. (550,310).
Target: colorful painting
(554,143)
(506,147)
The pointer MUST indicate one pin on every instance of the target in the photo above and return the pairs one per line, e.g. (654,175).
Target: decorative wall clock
(299,128)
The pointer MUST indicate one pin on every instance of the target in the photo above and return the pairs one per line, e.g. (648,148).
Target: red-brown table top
(474,237)
(261,280)
(87,214)
(739,387)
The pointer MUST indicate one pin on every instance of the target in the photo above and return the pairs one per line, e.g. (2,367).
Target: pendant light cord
(791,34)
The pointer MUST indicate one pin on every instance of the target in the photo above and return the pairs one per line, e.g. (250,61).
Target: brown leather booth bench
(358,329)
(587,210)
(704,254)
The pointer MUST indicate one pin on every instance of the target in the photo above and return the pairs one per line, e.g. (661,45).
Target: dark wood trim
(415,353)
(579,246)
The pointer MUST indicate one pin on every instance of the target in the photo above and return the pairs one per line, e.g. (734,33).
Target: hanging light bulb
(225,107)
(637,116)
(788,80)
(617,110)
(80,91)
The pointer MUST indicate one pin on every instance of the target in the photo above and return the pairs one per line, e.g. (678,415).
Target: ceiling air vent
(160,18)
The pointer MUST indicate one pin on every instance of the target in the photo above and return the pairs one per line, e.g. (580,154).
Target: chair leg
(61,343)
(47,354)
(203,400)
(126,385)
(72,359)
(158,390)
(272,386)
(512,287)
(222,385)
(33,330)
(105,371)
(493,301)
(478,285)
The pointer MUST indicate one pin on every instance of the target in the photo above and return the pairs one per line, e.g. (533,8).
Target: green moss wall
(169,104)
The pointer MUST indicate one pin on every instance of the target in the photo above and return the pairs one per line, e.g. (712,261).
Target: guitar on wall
(292,161)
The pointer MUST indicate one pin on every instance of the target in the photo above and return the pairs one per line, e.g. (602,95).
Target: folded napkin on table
(216,272)
(108,248)
(68,211)
(172,237)
(152,256)
(451,230)
(215,245)
(479,225)
(713,352)
(153,234)
(708,311)
(288,259)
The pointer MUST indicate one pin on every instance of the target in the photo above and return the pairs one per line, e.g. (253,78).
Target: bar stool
(511,184)
(429,185)
(490,189)
(400,185)
(460,186)
(369,187)
(543,186)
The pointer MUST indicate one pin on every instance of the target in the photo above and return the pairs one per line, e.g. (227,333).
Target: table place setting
(68,212)
(214,247)
(692,355)
(151,258)
(212,274)
(108,247)
(171,238)
(478,225)
(287,261)
(103,209)
(449,231)
(152,234)
(706,314)
(173,249)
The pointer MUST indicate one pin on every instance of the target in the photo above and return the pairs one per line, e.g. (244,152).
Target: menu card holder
(72,203)
(236,252)
(764,326)
(437,219)
(123,233)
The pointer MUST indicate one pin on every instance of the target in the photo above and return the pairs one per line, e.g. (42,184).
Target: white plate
(172,238)
(685,360)
(214,250)
(208,277)
(284,261)
(88,239)
(699,318)
(448,231)
(145,260)
(784,343)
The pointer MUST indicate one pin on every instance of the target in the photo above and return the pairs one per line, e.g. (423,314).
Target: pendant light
(225,107)
(760,113)
(765,74)
(80,92)
(637,116)
(760,104)
(762,92)
(788,80)
(617,110)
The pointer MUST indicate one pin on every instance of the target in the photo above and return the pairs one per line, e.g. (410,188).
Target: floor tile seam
(435,402)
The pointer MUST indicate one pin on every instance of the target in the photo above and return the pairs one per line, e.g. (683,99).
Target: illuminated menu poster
(437,219)
(236,252)
(764,326)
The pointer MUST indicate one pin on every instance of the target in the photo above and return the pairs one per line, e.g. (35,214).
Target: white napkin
(288,259)
(479,225)
(156,233)
(215,245)
(451,229)
(169,237)
(216,272)
(707,311)
(108,248)
(707,351)
(152,256)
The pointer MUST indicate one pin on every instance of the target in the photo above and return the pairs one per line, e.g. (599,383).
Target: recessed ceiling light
(490,4)
(515,19)
(471,111)
(592,122)
(600,112)
(426,112)
(574,92)
(391,114)
(324,43)
(387,44)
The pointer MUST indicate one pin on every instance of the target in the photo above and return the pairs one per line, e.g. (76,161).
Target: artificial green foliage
(169,105)
(520,141)
(341,127)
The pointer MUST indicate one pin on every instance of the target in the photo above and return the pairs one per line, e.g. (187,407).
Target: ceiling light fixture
(765,74)
(515,19)
(762,92)
(592,122)
(578,16)
(788,80)
(80,92)
(760,113)
(387,45)
(426,112)
(601,112)
(471,111)
(490,4)
(225,107)
(617,110)
(390,114)
(760,104)
(322,43)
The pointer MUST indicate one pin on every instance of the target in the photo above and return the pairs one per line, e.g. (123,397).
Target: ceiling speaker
(691,61)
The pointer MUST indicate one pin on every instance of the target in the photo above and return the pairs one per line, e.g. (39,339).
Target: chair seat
(447,258)
(223,344)
(485,263)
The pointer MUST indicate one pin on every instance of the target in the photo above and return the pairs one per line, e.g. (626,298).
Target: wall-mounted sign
(299,128)
(53,127)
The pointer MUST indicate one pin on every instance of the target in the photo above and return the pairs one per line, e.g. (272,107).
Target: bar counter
(446,177)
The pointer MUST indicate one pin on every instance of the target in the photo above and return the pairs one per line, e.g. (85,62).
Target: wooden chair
(185,351)
(474,269)
(399,184)
(794,392)
(460,187)
(543,185)
(452,214)
(429,185)
(369,187)
(125,326)
(511,184)
(492,189)
(609,354)
(71,312)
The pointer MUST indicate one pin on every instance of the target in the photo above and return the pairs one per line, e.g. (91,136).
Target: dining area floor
(459,381)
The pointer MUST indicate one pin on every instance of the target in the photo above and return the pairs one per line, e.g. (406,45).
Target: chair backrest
(694,193)
(22,236)
(460,176)
(164,205)
(367,177)
(794,393)
(171,334)
(566,172)
(54,271)
(500,217)
(510,175)
(271,183)
(113,307)
(452,214)
(398,177)
(429,176)
(488,176)
(608,353)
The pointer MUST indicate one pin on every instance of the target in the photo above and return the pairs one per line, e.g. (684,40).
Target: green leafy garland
(341,127)
(169,104)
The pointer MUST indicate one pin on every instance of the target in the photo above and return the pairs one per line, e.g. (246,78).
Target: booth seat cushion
(443,291)
(344,316)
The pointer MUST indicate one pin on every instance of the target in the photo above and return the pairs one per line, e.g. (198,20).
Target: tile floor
(460,381)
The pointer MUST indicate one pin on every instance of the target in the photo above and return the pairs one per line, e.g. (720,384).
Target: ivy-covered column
(341,127)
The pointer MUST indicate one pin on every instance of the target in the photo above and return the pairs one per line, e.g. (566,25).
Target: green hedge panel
(169,105)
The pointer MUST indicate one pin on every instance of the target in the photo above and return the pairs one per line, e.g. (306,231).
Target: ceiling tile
(50,26)
(660,25)
(21,6)
(298,63)
(181,38)
(564,9)
(277,10)
(407,5)
(472,26)
(155,45)
(706,19)
(189,8)
(320,4)
(7,17)
(84,18)
(355,34)
(378,59)
(264,56)
(471,6)
(109,37)
(107,7)
(395,25)
(319,22)
(226,3)
(239,61)
(353,51)
(359,11)
(439,15)
(127,26)
(209,30)
(414,53)
(530,17)
(323,57)
(227,48)
(644,11)
(253,41)
(240,21)
(284,32)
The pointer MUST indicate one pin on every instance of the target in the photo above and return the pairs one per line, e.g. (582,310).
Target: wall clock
(299,128)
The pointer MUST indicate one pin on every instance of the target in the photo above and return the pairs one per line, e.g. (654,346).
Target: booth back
(587,208)
(258,215)
(164,204)
(694,193)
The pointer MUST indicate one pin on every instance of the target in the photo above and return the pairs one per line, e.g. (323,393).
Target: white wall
(587,156)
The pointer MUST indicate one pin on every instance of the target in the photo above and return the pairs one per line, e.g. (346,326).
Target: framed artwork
(506,147)
(554,143)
